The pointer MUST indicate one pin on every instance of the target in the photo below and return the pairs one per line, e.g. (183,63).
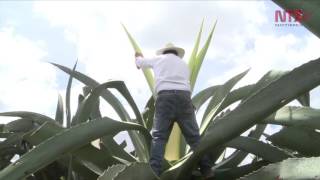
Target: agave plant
(62,148)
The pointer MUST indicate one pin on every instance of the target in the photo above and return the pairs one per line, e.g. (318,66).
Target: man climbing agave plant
(173,104)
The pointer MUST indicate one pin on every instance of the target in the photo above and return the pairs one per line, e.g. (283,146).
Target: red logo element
(290,17)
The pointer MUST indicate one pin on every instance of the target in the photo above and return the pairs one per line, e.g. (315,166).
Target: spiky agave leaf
(147,72)
(294,168)
(68,91)
(295,116)
(59,111)
(304,141)
(216,102)
(196,62)
(238,156)
(64,142)
(300,80)
(130,172)
(115,103)
(87,158)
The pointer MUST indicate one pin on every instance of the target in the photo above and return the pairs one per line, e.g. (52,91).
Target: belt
(173,91)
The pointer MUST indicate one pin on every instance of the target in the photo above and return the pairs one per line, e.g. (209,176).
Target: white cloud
(244,37)
(27,83)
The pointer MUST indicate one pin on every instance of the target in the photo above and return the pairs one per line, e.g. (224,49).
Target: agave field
(61,148)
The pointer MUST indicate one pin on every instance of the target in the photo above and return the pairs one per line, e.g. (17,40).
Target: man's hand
(138,54)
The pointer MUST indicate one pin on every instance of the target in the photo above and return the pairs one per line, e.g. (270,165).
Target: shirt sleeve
(142,62)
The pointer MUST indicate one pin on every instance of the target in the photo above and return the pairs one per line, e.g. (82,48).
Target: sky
(33,33)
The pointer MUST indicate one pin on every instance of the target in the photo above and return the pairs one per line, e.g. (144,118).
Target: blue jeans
(170,106)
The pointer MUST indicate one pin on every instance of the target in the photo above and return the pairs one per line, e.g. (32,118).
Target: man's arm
(142,62)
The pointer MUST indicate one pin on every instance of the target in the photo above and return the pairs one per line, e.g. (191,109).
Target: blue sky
(35,32)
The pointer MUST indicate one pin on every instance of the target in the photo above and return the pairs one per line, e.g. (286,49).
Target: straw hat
(171,46)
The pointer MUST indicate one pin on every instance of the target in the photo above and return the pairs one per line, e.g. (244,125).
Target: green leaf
(133,171)
(88,103)
(237,157)
(148,113)
(299,81)
(259,148)
(68,91)
(11,140)
(294,168)
(60,110)
(199,59)
(194,53)
(118,107)
(115,149)
(217,100)
(64,142)
(106,94)
(295,116)
(199,99)
(147,72)
(244,93)
(87,158)
(36,117)
(112,172)
(306,142)
(236,172)
(304,100)
(20,125)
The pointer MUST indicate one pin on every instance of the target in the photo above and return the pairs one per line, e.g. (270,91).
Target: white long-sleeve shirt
(170,72)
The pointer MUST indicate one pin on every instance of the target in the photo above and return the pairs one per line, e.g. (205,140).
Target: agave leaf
(70,167)
(199,59)
(19,125)
(269,77)
(148,113)
(64,142)
(216,102)
(237,157)
(60,110)
(112,172)
(68,91)
(199,99)
(295,116)
(192,59)
(304,99)
(133,171)
(236,95)
(306,142)
(96,106)
(236,172)
(36,117)
(88,103)
(86,158)
(11,140)
(107,95)
(115,149)
(231,98)
(257,107)
(265,151)
(147,72)
(173,151)
(294,168)
(5,135)
(118,107)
